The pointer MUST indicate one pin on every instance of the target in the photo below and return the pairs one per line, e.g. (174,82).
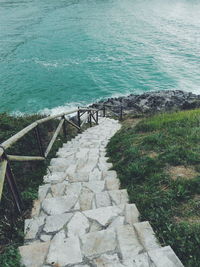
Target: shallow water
(57,54)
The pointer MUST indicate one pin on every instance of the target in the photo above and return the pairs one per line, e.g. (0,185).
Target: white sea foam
(67,107)
(64,108)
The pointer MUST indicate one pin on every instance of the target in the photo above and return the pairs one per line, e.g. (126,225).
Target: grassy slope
(28,176)
(141,155)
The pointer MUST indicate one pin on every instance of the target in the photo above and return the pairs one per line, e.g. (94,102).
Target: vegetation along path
(82,218)
(158,161)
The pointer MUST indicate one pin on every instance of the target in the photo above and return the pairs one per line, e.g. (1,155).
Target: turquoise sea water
(59,53)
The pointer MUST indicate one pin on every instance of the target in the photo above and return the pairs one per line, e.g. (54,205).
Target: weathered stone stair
(82,218)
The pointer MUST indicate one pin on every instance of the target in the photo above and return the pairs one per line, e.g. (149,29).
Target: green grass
(29,176)
(142,155)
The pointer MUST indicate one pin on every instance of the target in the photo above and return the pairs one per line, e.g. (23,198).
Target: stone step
(146,235)
(77,198)
(87,174)
(85,160)
(115,247)
(164,257)
(61,189)
(64,188)
(161,257)
(44,228)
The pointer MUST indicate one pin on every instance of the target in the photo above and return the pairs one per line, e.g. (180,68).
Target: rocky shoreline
(152,102)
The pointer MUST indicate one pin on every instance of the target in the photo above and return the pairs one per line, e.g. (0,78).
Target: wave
(67,107)
(64,108)
(59,63)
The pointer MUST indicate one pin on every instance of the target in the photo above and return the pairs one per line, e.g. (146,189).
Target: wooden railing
(111,108)
(5,159)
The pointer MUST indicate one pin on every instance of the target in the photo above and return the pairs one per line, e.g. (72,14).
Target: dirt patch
(192,220)
(188,211)
(152,154)
(182,172)
(132,122)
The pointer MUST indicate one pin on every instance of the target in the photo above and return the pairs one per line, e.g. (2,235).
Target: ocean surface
(56,54)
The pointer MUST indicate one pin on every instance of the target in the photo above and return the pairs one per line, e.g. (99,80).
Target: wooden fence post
(121,113)
(39,141)
(104,111)
(64,127)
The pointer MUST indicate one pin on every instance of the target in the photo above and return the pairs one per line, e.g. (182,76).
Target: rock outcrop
(153,102)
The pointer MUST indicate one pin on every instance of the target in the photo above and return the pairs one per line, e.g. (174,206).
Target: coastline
(153,102)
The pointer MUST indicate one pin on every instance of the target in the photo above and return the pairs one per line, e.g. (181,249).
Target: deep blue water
(57,54)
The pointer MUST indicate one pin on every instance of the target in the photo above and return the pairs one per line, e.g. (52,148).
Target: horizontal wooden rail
(24,158)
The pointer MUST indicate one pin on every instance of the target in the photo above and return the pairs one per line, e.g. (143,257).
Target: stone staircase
(82,218)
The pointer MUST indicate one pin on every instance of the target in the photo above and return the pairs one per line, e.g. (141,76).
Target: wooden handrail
(24,158)
(9,142)
(5,170)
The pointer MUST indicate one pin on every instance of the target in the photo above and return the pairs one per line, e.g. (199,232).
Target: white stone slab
(73,188)
(146,235)
(109,260)
(131,214)
(59,205)
(34,255)
(95,186)
(58,189)
(104,216)
(141,260)
(129,244)
(112,183)
(56,222)
(164,257)
(85,199)
(110,174)
(55,177)
(32,226)
(45,238)
(118,196)
(78,225)
(118,221)
(103,199)
(64,251)
(42,192)
(97,243)
(95,175)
